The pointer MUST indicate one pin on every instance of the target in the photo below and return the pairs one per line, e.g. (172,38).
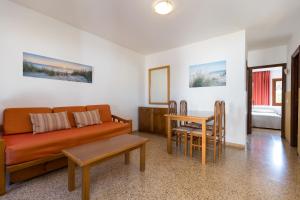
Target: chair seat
(199,132)
(209,125)
(182,129)
(209,134)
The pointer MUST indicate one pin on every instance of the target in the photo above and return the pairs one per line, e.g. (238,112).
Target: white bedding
(266,120)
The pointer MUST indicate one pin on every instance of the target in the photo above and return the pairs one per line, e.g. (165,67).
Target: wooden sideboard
(152,120)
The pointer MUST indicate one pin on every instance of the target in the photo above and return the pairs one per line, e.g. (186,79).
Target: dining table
(201,117)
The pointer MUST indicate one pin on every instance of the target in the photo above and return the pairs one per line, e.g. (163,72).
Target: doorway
(295,78)
(261,114)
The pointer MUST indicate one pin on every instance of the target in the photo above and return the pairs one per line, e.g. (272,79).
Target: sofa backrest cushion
(87,118)
(17,120)
(70,110)
(46,122)
(104,110)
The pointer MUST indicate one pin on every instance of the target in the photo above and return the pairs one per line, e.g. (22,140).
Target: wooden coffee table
(87,155)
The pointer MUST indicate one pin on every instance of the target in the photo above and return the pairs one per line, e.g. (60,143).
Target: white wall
(230,48)
(118,72)
(274,55)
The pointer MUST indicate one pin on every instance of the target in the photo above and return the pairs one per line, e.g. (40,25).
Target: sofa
(25,155)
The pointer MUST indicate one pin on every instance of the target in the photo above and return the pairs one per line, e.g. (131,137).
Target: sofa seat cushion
(26,147)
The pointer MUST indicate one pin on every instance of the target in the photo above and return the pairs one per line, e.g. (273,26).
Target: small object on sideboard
(152,120)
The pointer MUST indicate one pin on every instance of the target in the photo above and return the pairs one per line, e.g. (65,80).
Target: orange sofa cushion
(17,120)
(70,110)
(104,110)
(26,147)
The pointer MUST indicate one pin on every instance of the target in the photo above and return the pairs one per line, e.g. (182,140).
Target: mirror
(159,85)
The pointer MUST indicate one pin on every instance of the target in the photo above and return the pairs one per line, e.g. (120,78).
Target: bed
(266,117)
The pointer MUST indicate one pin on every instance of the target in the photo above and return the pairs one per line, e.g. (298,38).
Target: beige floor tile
(267,169)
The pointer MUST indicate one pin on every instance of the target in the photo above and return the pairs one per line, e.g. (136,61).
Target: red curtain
(261,88)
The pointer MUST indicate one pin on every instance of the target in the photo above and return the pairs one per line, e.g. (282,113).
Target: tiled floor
(268,169)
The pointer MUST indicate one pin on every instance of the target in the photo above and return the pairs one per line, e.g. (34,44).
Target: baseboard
(235,145)
(274,129)
(229,144)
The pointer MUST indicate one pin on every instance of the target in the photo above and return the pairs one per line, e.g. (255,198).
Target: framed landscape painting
(50,68)
(208,75)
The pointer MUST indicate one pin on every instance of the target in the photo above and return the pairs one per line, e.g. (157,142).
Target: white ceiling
(133,24)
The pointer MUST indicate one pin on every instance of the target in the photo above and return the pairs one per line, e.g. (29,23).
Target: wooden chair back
(223,121)
(223,115)
(217,123)
(172,108)
(183,110)
(183,107)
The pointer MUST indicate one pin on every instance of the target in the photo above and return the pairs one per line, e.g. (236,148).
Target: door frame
(249,95)
(295,83)
(249,100)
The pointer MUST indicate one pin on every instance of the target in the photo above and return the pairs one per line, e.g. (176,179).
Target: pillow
(45,122)
(87,118)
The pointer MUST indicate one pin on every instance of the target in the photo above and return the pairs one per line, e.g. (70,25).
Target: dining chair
(183,111)
(180,132)
(172,110)
(209,125)
(183,131)
(213,135)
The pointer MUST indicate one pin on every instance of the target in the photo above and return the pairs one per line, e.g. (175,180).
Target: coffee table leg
(127,158)
(142,157)
(85,182)
(71,175)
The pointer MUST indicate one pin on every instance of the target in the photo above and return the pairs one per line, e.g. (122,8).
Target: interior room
(267,98)
(152,99)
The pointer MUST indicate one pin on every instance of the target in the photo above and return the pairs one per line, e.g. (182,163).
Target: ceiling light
(163,7)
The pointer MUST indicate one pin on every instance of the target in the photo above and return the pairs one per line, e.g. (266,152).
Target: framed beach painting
(50,68)
(208,75)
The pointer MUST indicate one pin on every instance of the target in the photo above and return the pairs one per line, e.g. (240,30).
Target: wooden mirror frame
(168,84)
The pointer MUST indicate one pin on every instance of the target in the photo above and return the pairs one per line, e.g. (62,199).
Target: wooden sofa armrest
(2,167)
(119,119)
